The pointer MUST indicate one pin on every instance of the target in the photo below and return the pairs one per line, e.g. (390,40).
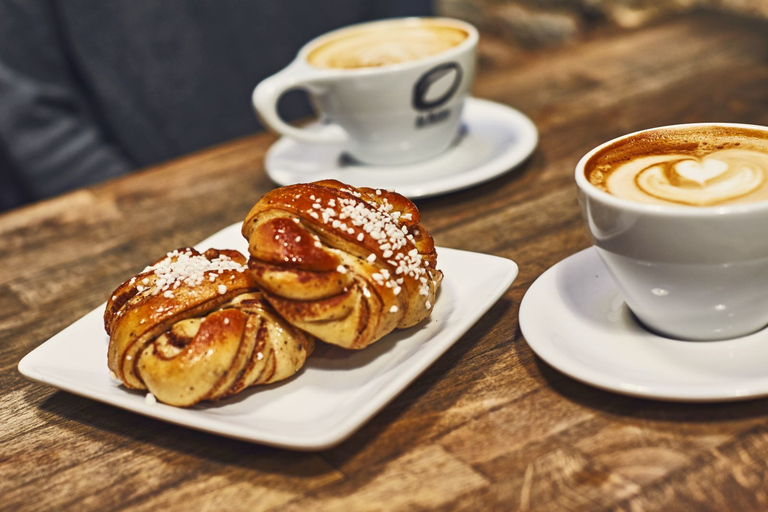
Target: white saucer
(574,318)
(495,139)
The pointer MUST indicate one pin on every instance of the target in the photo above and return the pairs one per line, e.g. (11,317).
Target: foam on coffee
(385,44)
(694,166)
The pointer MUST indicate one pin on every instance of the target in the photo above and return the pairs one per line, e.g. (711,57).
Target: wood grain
(489,426)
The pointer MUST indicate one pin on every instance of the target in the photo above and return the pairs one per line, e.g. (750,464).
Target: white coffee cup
(692,273)
(390,114)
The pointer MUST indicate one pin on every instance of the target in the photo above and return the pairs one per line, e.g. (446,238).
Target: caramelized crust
(347,265)
(194,327)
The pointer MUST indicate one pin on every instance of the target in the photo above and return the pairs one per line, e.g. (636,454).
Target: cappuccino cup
(387,92)
(679,216)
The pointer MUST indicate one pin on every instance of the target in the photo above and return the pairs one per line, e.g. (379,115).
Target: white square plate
(332,396)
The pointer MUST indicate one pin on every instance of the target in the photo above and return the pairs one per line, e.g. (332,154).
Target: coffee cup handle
(267,94)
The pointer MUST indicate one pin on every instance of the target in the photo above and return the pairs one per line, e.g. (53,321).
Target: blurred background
(541,23)
(93,90)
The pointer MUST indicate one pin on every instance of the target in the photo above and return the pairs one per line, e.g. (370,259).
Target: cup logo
(438,74)
(434,89)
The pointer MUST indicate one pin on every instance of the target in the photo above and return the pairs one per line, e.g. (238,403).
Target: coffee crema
(385,44)
(690,165)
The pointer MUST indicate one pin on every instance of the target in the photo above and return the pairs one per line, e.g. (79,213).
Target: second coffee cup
(387,92)
(678,215)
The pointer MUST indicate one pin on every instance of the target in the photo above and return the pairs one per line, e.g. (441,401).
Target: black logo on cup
(421,91)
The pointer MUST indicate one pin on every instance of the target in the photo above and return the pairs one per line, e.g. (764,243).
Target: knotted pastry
(346,265)
(195,327)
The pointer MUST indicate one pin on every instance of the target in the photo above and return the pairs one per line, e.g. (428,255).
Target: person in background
(91,90)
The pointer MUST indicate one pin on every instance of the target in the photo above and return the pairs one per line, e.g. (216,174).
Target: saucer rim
(533,332)
(483,172)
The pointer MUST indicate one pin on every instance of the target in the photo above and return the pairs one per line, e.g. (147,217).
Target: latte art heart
(701,184)
(700,172)
(719,177)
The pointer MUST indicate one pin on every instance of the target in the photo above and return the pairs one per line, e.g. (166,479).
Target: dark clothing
(90,89)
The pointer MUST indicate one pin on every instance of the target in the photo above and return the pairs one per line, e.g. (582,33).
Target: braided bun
(347,265)
(195,327)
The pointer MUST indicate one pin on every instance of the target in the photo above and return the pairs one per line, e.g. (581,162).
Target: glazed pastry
(195,327)
(346,265)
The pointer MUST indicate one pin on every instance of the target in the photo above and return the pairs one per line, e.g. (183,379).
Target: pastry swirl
(347,265)
(195,327)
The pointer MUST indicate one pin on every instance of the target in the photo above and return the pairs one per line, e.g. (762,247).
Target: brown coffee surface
(692,166)
(385,44)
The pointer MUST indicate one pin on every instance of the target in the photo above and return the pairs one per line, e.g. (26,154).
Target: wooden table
(489,426)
